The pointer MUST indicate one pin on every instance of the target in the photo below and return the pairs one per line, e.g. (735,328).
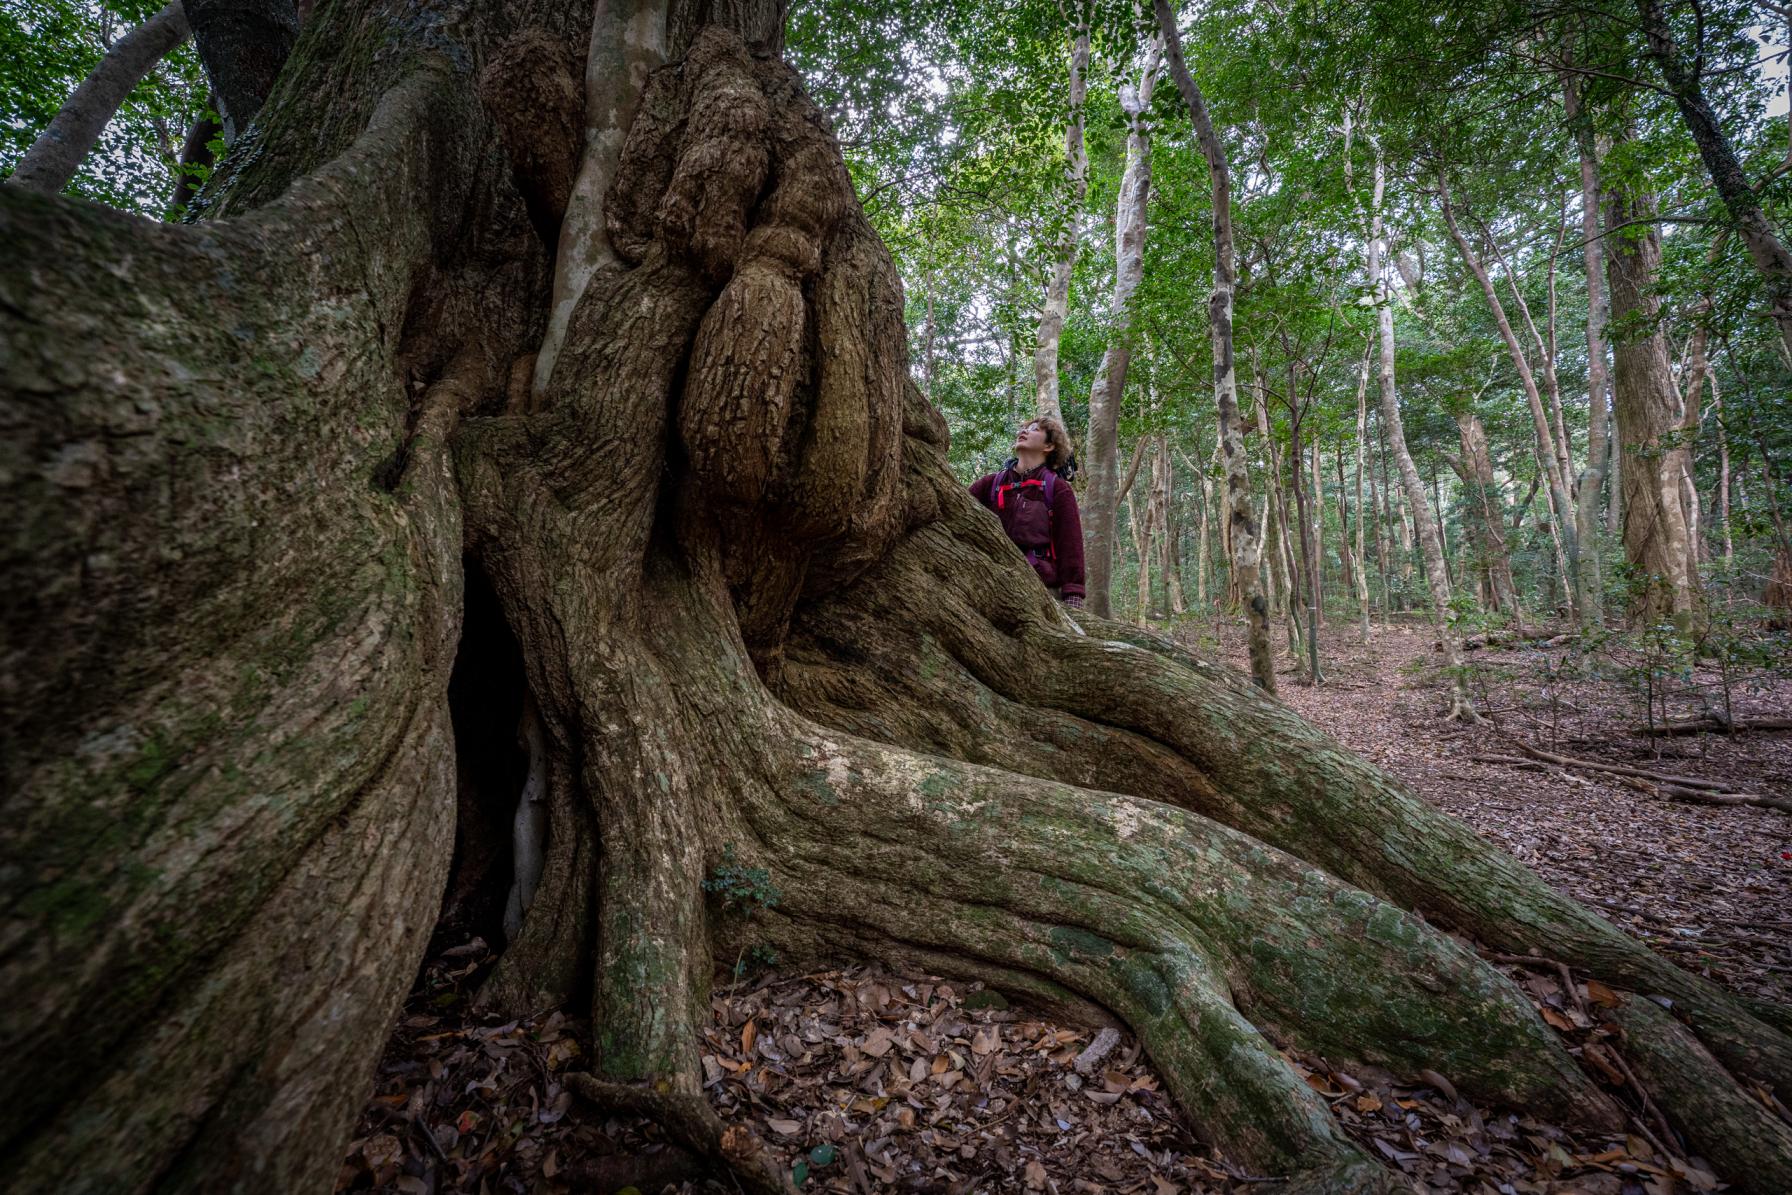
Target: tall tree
(1647,407)
(1102,501)
(1685,83)
(1076,178)
(1242,525)
(1592,477)
(1431,548)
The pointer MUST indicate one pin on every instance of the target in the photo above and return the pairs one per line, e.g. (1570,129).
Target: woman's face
(1032,438)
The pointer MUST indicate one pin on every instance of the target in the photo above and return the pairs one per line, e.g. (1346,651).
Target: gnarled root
(690,1120)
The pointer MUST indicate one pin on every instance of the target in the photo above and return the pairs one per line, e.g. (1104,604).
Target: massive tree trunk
(1101,504)
(1076,178)
(244,45)
(256,462)
(1647,408)
(1243,529)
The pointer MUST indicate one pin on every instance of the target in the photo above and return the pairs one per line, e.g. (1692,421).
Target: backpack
(1048,483)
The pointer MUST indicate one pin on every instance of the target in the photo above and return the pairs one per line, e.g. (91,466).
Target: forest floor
(868,1082)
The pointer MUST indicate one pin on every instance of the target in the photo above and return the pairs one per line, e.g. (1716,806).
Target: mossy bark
(755,611)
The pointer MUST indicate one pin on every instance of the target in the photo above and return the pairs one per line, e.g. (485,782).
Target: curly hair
(1058,439)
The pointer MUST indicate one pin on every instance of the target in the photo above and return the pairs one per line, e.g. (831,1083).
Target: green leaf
(799,1173)
(823,1155)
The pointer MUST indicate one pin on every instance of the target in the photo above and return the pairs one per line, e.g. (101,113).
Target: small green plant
(740,886)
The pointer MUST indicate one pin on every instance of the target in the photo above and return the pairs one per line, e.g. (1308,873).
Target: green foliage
(739,886)
(47,47)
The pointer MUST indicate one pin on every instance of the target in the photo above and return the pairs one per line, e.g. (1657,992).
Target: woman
(1033,499)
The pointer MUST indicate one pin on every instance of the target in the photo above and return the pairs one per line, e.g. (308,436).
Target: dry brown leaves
(1709,887)
(867,1082)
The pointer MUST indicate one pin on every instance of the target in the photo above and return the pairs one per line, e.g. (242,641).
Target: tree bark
(1431,548)
(1549,459)
(1101,506)
(52,160)
(1592,478)
(1076,177)
(754,611)
(1242,526)
(1657,543)
(1771,258)
(1484,495)
(243,44)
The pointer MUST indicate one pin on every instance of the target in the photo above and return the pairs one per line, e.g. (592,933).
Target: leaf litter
(865,1081)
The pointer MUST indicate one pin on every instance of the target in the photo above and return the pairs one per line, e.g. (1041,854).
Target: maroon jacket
(1050,537)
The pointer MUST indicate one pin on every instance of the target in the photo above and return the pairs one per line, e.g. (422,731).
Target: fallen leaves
(864,1082)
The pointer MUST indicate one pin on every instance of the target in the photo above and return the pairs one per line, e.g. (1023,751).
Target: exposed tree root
(1713,724)
(687,1116)
(1750,1145)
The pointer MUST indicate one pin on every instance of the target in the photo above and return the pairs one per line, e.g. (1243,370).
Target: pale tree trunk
(1431,547)
(1549,458)
(1476,470)
(1771,258)
(1139,525)
(229,744)
(1306,510)
(1723,472)
(1282,548)
(1657,541)
(627,43)
(1169,540)
(1586,511)
(57,153)
(1076,177)
(1242,529)
(1696,374)
(1364,513)
(1108,390)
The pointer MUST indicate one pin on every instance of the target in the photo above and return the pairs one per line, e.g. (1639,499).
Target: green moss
(1073,944)
(816,785)
(1142,980)
(68,907)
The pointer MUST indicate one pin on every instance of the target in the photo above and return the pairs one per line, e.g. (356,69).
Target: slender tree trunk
(1109,388)
(1431,547)
(1170,563)
(1076,177)
(1364,513)
(1685,83)
(1723,472)
(1586,512)
(52,160)
(1549,458)
(628,42)
(1657,542)
(1242,528)
(1304,505)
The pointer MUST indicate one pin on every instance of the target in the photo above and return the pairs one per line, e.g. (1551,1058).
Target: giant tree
(255,463)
